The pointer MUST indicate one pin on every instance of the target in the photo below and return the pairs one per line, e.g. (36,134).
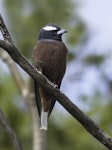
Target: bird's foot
(53,84)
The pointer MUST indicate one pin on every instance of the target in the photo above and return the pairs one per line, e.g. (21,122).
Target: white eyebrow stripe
(49,28)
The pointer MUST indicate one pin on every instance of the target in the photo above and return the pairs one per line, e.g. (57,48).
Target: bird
(49,57)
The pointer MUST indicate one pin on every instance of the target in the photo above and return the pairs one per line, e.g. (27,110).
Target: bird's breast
(52,54)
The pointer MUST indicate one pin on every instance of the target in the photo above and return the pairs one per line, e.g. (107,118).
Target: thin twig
(4,123)
(86,122)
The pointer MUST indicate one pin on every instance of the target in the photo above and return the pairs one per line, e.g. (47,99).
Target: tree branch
(10,131)
(86,122)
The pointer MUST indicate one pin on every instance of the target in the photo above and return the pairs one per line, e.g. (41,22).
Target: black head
(51,31)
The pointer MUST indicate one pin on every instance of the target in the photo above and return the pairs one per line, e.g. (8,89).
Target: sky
(97,14)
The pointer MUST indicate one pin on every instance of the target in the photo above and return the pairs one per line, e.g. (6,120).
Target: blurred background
(88,78)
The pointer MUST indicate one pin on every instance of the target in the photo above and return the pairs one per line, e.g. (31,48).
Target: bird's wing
(53,101)
(37,96)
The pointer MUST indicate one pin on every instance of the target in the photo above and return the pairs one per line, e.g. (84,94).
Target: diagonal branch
(86,122)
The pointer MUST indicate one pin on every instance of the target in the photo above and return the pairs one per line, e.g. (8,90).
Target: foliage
(69,134)
(94,59)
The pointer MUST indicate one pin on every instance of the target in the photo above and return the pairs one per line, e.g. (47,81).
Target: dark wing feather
(51,106)
(53,101)
(37,96)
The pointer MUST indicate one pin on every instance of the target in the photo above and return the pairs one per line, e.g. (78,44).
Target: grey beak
(62,31)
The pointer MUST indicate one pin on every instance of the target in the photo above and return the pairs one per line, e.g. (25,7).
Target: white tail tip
(43,128)
(44,120)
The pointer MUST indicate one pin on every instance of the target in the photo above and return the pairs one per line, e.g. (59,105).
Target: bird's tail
(44,120)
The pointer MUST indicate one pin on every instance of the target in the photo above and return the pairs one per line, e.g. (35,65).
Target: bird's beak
(62,31)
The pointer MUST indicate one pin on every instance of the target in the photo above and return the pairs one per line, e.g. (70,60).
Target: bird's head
(51,31)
